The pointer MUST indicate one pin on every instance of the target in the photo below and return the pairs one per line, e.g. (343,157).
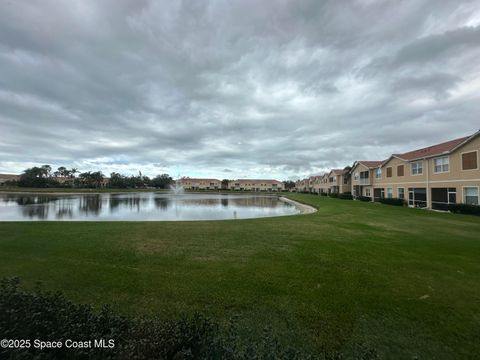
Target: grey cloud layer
(233,88)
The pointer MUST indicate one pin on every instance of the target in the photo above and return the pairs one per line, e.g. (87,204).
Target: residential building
(256,185)
(339,181)
(362,176)
(432,177)
(8,177)
(200,184)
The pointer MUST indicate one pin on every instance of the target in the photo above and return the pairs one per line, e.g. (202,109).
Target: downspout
(429,205)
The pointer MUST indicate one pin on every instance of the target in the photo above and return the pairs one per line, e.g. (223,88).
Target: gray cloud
(245,88)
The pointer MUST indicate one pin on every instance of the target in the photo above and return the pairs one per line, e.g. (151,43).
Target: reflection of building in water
(255,185)
(200,184)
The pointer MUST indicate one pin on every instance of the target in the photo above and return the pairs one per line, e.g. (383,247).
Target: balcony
(365,181)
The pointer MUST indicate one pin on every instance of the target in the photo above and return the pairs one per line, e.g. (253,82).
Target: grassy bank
(405,281)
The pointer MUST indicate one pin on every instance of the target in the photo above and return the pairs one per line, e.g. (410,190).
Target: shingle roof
(433,150)
(371,164)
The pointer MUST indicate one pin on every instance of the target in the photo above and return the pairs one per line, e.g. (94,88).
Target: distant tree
(37,177)
(289,184)
(162,181)
(117,181)
(72,172)
(225,183)
(90,179)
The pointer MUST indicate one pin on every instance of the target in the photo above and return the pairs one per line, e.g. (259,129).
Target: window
(382,193)
(417,168)
(441,164)
(389,172)
(355,176)
(401,193)
(389,193)
(400,170)
(469,161)
(470,195)
(378,173)
(367,192)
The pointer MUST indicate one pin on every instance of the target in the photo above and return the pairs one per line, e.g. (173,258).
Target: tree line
(44,177)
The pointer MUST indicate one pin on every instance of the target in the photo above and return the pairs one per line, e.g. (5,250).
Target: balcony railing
(365,181)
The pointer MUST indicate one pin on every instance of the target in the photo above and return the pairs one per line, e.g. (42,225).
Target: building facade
(200,184)
(256,185)
(431,177)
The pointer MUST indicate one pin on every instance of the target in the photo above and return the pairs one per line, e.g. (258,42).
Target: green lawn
(404,281)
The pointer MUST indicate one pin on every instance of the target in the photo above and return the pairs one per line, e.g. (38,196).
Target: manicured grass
(404,281)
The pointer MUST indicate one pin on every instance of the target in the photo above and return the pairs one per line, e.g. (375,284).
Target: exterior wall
(455,179)
(201,184)
(360,187)
(256,185)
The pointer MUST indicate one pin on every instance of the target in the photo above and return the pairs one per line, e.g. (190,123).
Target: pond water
(140,207)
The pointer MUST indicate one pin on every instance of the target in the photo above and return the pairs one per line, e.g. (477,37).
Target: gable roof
(433,150)
(371,164)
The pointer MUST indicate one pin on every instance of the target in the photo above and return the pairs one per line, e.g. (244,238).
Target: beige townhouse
(432,177)
(301,185)
(8,177)
(361,177)
(256,185)
(339,181)
(200,184)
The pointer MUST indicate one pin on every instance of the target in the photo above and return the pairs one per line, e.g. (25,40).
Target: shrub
(51,317)
(323,194)
(464,209)
(364,198)
(392,201)
(333,195)
(345,196)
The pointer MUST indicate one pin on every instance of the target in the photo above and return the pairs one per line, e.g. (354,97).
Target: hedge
(51,317)
(464,209)
(392,201)
(345,196)
(364,198)
(333,195)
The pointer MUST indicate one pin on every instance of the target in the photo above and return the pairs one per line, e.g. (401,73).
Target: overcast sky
(228,89)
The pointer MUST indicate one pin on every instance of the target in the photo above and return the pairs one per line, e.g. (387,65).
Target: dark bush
(51,317)
(464,209)
(333,195)
(392,201)
(324,194)
(364,198)
(345,196)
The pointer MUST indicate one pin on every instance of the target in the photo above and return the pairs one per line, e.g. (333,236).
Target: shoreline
(304,209)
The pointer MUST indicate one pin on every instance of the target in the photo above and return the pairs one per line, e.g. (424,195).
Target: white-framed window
(378,173)
(367,192)
(417,167)
(355,176)
(470,195)
(389,193)
(401,193)
(441,164)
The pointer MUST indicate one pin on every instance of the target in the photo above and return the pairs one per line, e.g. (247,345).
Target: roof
(258,180)
(434,150)
(371,164)
(9,176)
(337,171)
(197,179)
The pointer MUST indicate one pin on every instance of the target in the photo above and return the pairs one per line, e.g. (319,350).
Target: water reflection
(140,207)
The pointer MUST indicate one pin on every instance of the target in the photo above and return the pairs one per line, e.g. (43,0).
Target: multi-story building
(200,184)
(255,185)
(339,181)
(8,177)
(432,177)
(362,176)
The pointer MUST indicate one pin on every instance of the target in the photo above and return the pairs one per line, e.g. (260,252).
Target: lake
(143,206)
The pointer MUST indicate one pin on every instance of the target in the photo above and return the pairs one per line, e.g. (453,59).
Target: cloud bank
(229,89)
